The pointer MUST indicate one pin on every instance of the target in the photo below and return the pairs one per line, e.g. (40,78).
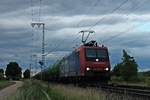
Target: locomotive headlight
(107,69)
(97,60)
(87,68)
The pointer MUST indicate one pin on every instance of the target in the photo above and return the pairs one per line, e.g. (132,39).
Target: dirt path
(8,91)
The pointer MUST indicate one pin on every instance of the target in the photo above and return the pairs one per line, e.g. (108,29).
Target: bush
(147,81)
(116,79)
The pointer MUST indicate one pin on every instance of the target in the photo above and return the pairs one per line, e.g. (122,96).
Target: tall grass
(62,92)
(31,90)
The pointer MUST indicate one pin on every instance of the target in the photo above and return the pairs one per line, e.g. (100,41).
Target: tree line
(14,71)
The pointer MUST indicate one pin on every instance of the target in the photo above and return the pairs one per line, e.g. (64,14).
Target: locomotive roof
(91,44)
(93,47)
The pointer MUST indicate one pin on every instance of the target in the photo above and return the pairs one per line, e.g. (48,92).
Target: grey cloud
(76,7)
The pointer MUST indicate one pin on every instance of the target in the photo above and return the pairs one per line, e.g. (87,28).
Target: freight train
(88,63)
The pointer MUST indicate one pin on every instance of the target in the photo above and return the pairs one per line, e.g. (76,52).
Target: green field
(4,83)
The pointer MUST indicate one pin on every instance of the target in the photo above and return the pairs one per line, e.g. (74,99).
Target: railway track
(136,91)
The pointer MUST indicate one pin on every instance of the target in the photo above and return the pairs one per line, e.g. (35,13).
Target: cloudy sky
(118,24)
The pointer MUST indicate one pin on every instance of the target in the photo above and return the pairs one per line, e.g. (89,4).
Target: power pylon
(42,62)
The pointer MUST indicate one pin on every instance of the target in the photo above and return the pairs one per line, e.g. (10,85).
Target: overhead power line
(119,34)
(129,29)
(31,4)
(77,34)
(40,10)
(114,10)
(91,8)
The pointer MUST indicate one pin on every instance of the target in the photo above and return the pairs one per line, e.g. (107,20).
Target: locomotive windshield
(95,53)
(91,53)
(101,53)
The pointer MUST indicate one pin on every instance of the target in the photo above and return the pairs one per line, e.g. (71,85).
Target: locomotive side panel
(62,68)
(74,64)
(70,66)
(82,61)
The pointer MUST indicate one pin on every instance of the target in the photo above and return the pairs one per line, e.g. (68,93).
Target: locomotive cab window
(92,54)
(101,54)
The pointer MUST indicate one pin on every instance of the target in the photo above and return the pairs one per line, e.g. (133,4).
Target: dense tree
(26,74)
(127,69)
(1,73)
(117,69)
(13,71)
(54,70)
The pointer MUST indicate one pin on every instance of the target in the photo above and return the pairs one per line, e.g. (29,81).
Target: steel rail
(141,92)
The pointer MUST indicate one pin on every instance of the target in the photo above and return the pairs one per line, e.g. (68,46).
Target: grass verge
(37,90)
(63,92)
(4,84)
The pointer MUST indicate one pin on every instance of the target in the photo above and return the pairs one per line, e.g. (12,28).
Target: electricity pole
(42,62)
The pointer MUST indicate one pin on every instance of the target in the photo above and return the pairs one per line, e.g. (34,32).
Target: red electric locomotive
(89,62)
